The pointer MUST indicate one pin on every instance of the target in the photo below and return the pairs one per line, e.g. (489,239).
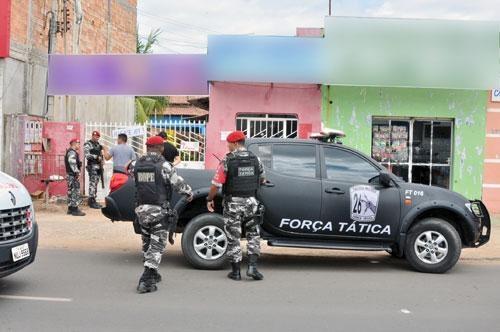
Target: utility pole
(329,7)
(50,48)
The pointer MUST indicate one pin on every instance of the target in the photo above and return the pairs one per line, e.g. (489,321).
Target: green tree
(145,106)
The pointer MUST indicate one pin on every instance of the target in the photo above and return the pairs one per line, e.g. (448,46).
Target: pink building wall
(227,100)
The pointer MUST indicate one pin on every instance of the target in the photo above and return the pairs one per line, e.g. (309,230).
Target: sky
(185,24)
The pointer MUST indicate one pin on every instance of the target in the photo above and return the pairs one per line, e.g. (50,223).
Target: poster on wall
(390,143)
(190,146)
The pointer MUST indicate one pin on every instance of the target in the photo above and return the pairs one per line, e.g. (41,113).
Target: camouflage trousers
(153,233)
(236,212)
(74,196)
(94,176)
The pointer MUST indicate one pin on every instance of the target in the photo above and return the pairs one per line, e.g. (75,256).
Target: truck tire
(204,242)
(433,246)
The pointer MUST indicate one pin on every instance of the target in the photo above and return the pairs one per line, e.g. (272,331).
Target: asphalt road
(95,291)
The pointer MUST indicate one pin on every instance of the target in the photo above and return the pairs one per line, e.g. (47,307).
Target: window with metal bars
(268,125)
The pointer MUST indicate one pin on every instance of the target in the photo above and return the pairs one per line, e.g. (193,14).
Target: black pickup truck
(328,196)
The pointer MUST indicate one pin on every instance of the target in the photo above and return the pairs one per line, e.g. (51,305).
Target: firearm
(170,221)
(101,170)
(257,218)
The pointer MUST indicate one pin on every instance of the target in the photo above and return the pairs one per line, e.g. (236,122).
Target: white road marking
(35,298)
(405,311)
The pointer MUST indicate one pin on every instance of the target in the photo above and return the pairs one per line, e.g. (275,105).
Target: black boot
(70,210)
(147,283)
(93,204)
(252,268)
(75,211)
(235,273)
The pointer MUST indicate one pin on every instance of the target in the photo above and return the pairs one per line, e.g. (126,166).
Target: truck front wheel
(204,242)
(433,246)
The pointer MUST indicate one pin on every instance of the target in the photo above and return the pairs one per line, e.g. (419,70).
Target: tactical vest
(95,150)
(242,178)
(66,162)
(149,182)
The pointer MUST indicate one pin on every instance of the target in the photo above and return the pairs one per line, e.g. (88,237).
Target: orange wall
(491,179)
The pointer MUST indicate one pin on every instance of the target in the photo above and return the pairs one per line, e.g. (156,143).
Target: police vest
(95,150)
(242,178)
(66,162)
(150,184)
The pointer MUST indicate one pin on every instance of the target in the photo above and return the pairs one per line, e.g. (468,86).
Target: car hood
(12,193)
(431,193)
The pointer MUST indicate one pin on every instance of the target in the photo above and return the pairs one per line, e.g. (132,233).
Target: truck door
(353,200)
(292,197)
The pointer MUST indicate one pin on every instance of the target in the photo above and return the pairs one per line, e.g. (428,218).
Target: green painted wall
(351,109)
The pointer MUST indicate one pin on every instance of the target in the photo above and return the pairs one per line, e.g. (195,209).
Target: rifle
(101,164)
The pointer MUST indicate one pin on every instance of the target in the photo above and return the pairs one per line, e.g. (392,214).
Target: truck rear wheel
(433,246)
(204,242)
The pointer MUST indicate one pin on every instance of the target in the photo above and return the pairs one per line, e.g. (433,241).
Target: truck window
(263,151)
(295,159)
(348,167)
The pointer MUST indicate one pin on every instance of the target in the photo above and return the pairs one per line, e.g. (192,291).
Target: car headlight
(475,208)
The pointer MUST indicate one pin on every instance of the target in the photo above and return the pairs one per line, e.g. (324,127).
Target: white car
(18,229)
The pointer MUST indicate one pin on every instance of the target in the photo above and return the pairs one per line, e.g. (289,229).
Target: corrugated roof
(191,111)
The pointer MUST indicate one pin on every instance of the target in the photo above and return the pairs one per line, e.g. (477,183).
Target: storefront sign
(495,95)
(130,131)
(190,146)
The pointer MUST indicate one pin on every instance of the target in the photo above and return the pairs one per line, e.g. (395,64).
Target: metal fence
(189,137)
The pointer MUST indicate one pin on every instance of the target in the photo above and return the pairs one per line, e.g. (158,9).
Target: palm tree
(145,106)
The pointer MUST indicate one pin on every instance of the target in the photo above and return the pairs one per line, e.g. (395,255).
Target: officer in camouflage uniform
(73,166)
(93,155)
(155,178)
(240,174)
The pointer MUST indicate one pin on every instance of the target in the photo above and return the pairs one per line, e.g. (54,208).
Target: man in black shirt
(170,152)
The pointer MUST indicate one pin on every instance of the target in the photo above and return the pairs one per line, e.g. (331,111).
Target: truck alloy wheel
(204,242)
(433,245)
(210,242)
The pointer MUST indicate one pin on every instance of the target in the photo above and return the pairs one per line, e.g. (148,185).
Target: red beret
(154,140)
(236,136)
(74,140)
(96,133)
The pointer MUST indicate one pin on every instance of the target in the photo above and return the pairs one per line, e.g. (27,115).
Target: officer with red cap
(155,178)
(73,167)
(93,154)
(239,175)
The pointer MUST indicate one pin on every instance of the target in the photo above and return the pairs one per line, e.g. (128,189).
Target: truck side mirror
(385,179)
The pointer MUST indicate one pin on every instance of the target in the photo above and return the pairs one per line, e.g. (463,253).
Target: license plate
(20,252)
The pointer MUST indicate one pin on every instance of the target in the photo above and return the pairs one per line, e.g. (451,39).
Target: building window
(417,150)
(267,125)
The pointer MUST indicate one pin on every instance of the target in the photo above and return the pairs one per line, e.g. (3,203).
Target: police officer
(93,155)
(154,179)
(73,166)
(239,174)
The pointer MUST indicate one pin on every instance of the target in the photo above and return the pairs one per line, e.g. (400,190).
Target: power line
(170,20)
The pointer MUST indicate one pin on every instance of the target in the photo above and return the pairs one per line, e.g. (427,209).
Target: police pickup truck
(18,230)
(325,195)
